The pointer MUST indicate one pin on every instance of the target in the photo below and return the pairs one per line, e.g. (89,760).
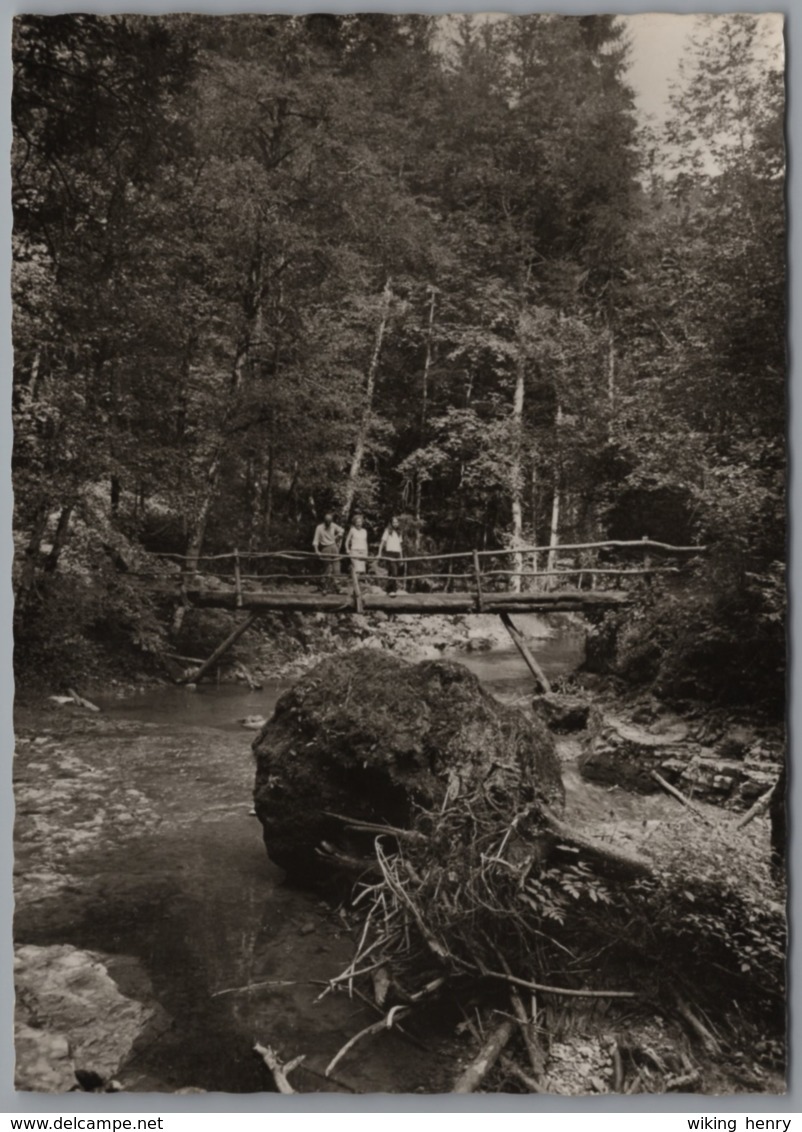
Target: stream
(135,839)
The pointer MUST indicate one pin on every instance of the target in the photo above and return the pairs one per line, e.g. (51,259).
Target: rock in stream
(373,737)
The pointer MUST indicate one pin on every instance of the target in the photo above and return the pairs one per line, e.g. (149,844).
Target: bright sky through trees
(658,40)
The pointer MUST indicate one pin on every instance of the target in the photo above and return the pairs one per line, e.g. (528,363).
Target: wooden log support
(520,643)
(478,572)
(198,673)
(237,579)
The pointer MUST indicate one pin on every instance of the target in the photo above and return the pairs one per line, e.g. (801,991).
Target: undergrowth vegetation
(723,646)
(491,898)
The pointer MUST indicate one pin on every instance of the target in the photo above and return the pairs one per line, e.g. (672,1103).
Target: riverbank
(143,885)
(284,646)
(141,879)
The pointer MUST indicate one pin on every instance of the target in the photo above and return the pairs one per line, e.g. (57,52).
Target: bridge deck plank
(286,600)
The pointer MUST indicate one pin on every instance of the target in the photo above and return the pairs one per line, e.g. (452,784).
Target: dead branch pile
(470,889)
(487,898)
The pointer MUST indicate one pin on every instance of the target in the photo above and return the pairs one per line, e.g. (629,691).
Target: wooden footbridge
(580,577)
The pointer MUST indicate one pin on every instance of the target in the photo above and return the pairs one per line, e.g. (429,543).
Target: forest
(266,266)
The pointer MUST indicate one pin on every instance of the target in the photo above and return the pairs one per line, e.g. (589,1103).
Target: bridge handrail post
(477,571)
(237,578)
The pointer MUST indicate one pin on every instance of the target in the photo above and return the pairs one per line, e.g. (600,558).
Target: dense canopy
(265,265)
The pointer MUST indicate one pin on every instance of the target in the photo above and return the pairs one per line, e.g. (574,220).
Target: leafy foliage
(264,263)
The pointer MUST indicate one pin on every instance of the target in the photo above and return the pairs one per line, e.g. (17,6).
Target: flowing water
(155,856)
(224,707)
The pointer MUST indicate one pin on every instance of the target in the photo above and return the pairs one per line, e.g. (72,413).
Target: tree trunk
(261,498)
(423,412)
(516,472)
(28,574)
(554,529)
(115,491)
(610,366)
(367,413)
(198,527)
(534,582)
(779,823)
(59,539)
(182,391)
(253,310)
(554,533)
(267,515)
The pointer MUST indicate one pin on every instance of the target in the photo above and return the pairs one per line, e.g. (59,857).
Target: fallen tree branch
(472,1077)
(360,865)
(279,1071)
(568,991)
(410,835)
(680,797)
(526,1026)
(434,944)
(681,1081)
(399,1029)
(529,1083)
(81,702)
(755,811)
(606,856)
(254,986)
(708,1040)
(385,1023)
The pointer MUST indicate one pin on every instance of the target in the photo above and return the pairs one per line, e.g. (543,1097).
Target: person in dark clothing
(326,545)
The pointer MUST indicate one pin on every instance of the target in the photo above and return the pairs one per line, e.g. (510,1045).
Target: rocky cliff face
(372,737)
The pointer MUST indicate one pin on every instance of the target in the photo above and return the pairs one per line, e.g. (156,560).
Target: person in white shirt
(326,545)
(356,544)
(390,550)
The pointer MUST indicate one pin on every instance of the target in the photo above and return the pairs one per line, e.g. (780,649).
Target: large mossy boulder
(372,737)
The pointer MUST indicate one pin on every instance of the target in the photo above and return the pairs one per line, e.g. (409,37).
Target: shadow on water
(191,906)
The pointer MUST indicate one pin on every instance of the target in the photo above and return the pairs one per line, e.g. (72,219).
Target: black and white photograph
(399,471)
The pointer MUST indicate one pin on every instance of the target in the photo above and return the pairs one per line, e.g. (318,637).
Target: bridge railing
(480,571)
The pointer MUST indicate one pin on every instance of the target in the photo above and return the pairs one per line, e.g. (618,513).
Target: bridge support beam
(519,641)
(197,674)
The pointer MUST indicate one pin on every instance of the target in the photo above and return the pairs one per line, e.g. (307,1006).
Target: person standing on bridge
(391,548)
(356,544)
(326,545)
